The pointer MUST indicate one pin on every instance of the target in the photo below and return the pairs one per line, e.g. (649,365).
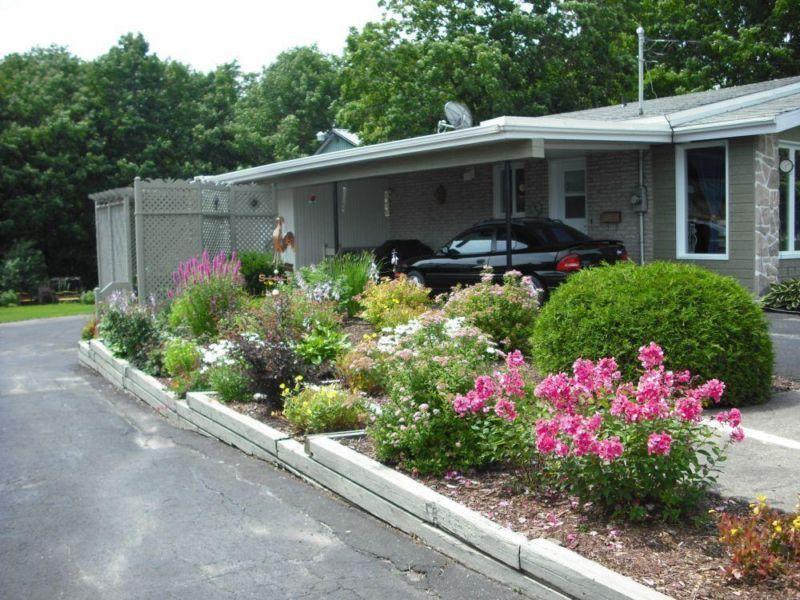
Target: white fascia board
(787,120)
(715,108)
(649,129)
(728,129)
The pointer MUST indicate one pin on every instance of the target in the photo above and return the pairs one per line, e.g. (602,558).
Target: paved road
(101,498)
(785,334)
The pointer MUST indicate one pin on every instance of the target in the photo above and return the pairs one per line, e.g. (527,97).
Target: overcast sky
(200,33)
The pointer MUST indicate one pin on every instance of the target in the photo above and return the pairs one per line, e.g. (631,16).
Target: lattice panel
(254,233)
(178,197)
(215,200)
(161,251)
(105,268)
(253,200)
(119,242)
(217,235)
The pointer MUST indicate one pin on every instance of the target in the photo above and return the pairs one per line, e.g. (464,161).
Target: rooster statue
(281,242)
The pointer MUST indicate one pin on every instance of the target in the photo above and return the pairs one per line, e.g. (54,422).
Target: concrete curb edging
(538,568)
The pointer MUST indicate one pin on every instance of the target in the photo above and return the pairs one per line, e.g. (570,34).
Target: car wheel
(416,277)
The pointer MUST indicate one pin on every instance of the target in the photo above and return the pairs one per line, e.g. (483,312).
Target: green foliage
(706,323)
(507,312)
(785,295)
(317,409)
(341,278)
(181,357)
(128,328)
(200,308)
(257,268)
(392,302)
(9,298)
(230,382)
(87,297)
(321,344)
(23,268)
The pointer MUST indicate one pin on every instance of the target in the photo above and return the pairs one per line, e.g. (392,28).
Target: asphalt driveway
(101,498)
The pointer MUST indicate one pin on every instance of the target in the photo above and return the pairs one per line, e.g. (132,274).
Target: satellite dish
(458,117)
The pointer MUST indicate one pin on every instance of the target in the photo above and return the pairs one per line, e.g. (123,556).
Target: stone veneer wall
(767,218)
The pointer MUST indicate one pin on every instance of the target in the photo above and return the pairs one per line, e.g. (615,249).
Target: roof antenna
(640,33)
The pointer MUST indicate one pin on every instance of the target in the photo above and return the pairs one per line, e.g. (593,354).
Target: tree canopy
(69,127)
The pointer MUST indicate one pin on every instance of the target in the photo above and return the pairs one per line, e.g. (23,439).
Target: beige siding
(362,222)
(789,268)
(741,218)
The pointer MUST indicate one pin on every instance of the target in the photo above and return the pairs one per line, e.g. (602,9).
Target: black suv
(546,249)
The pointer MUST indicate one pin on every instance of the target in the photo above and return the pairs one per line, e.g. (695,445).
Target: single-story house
(707,177)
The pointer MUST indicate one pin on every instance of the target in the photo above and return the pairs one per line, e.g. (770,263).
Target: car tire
(416,277)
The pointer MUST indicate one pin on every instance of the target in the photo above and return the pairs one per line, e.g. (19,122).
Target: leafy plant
(506,311)
(341,278)
(762,544)
(316,409)
(206,291)
(785,295)
(181,357)
(625,445)
(128,327)
(89,331)
(230,382)
(23,268)
(87,297)
(9,298)
(361,368)
(392,302)
(321,344)
(704,321)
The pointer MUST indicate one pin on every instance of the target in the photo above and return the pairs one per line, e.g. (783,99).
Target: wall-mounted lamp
(387,202)
(343,203)
(469,174)
(312,199)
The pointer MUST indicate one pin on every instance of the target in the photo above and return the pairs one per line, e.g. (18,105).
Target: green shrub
(181,357)
(9,298)
(341,278)
(392,302)
(230,382)
(785,295)
(89,331)
(23,268)
(128,327)
(705,322)
(87,297)
(506,311)
(359,369)
(316,409)
(259,270)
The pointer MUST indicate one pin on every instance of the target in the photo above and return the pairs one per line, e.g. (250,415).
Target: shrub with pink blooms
(441,413)
(205,291)
(633,449)
(506,311)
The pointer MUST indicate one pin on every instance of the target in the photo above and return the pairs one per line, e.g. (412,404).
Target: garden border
(539,568)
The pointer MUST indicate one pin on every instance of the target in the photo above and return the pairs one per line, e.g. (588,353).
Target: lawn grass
(43,311)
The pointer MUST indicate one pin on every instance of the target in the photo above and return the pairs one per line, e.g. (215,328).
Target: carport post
(336,217)
(507,195)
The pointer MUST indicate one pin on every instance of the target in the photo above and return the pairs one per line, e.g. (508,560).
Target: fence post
(138,213)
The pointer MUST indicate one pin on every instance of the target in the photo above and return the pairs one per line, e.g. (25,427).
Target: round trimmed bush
(705,322)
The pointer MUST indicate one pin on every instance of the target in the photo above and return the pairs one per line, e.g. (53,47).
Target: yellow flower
(733,531)
(796,523)
(777,526)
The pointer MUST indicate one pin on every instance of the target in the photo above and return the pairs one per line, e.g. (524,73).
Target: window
(575,194)
(701,173)
(472,242)
(518,240)
(789,202)
(518,190)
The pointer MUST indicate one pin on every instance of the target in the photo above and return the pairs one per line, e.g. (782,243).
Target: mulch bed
(681,560)
(262,412)
(356,329)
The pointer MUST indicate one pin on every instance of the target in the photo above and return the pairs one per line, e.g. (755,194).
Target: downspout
(643,201)
(507,197)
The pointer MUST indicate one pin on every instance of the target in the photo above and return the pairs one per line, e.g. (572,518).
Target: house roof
(346,135)
(759,108)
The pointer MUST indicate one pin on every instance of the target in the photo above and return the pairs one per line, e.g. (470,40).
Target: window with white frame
(517,190)
(789,200)
(701,178)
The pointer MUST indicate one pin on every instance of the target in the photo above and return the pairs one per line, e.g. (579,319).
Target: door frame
(555,177)
(498,201)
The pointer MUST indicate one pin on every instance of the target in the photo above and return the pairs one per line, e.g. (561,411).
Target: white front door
(568,191)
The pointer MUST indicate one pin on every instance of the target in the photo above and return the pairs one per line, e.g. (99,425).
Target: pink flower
(484,387)
(712,389)
(584,442)
(609,449)
(562,449)
(737,434)
(505,409)
(732,417)
(659,443)
(514,359)
(689,409)
(545,443)
(651,356)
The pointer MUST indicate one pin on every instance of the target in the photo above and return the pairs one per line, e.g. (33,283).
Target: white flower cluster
(217,354)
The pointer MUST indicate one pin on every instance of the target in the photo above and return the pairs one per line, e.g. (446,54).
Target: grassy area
(43,311)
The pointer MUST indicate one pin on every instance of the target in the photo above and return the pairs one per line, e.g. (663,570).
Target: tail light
(623,254)
(571,262)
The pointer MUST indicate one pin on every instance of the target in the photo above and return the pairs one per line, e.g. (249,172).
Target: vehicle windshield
(547,233)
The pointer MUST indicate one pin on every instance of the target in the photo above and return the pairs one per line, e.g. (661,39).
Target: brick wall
(611,178)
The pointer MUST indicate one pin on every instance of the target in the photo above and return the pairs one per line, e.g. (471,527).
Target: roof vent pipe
(640,33)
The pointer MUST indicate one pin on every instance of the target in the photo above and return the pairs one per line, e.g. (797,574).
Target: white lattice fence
(115,245)
(178,219)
